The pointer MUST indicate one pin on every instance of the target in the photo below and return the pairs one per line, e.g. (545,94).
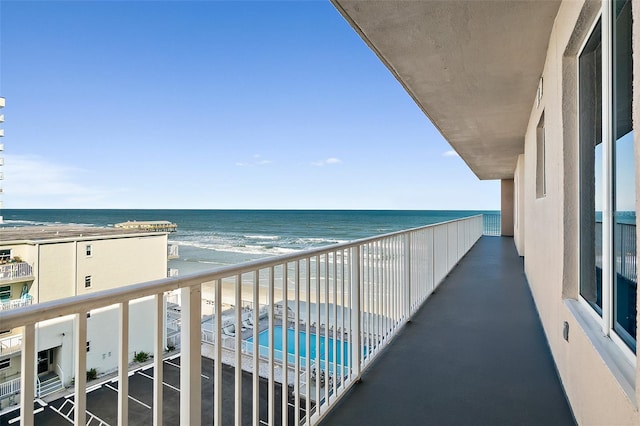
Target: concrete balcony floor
(474,354)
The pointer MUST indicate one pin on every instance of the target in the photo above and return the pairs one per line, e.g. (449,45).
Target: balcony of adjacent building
(14,291)
(15,270)
(429,325)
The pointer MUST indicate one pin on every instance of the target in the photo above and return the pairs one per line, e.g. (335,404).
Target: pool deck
(474,354)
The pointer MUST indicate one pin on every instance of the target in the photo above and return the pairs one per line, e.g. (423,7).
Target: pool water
(263,341)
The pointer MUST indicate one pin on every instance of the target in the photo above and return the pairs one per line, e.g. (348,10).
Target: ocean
(209,239)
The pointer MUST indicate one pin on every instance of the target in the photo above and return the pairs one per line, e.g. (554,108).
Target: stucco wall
(123,261)
(114,262)
(506,207)
(56,272)
(598,380)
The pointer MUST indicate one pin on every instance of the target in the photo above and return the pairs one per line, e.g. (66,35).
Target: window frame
(88,250)
(8,363)
(87,281)
(3,291)
(606,321)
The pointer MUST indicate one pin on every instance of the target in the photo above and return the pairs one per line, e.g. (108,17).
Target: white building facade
(47,264)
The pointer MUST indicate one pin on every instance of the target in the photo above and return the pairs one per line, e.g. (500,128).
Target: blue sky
(210,104)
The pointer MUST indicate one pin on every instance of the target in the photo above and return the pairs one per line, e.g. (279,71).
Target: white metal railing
(10,345)
(15,303)
(60,373)
(492,224)
(12,271)
(10,387)
(344,304)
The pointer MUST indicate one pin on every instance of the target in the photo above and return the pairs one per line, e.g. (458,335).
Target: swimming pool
(263,341)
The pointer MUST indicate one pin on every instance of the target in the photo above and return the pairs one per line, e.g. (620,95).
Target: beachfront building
(47,263)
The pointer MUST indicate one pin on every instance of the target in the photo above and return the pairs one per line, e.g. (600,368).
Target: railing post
(80,416)
(355,333)
(159,330)
(190,362)
(217,372)
(27,375)
(407,275)
(123,366)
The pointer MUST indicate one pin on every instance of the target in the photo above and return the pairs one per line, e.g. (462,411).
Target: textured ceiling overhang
(472,66)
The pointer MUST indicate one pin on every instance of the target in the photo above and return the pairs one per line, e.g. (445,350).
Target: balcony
(15,271)
(10,387)
(15,303)
(10,345)
(474,354)
(476,345)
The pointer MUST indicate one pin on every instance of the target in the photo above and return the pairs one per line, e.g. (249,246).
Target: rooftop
(57,232)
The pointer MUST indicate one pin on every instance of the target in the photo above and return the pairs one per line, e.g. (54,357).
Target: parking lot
(102,399)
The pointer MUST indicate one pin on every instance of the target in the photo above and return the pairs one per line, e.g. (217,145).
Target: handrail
(10,387)
(12,271)
(16,303)
(10,345)
(353,296)
(71,305)
(61,374)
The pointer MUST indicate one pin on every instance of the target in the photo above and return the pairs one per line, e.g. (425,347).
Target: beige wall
(506,207)
(56,272)
(61,267)
(123,261)
(598,380)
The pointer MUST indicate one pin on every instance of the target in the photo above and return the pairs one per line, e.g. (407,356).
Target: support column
(506,207)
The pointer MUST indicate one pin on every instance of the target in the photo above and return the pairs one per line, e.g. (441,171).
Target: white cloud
(32,181)
(450,153)
(328,161)
(257,160)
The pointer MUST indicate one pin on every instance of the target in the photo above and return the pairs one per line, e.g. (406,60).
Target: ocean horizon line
(248,209)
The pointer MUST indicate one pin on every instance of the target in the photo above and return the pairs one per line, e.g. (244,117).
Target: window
(88,249)
(5,293)
(88,346)
(5,255)
(5,363)
(87,281)
(608,280)
(541,179)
